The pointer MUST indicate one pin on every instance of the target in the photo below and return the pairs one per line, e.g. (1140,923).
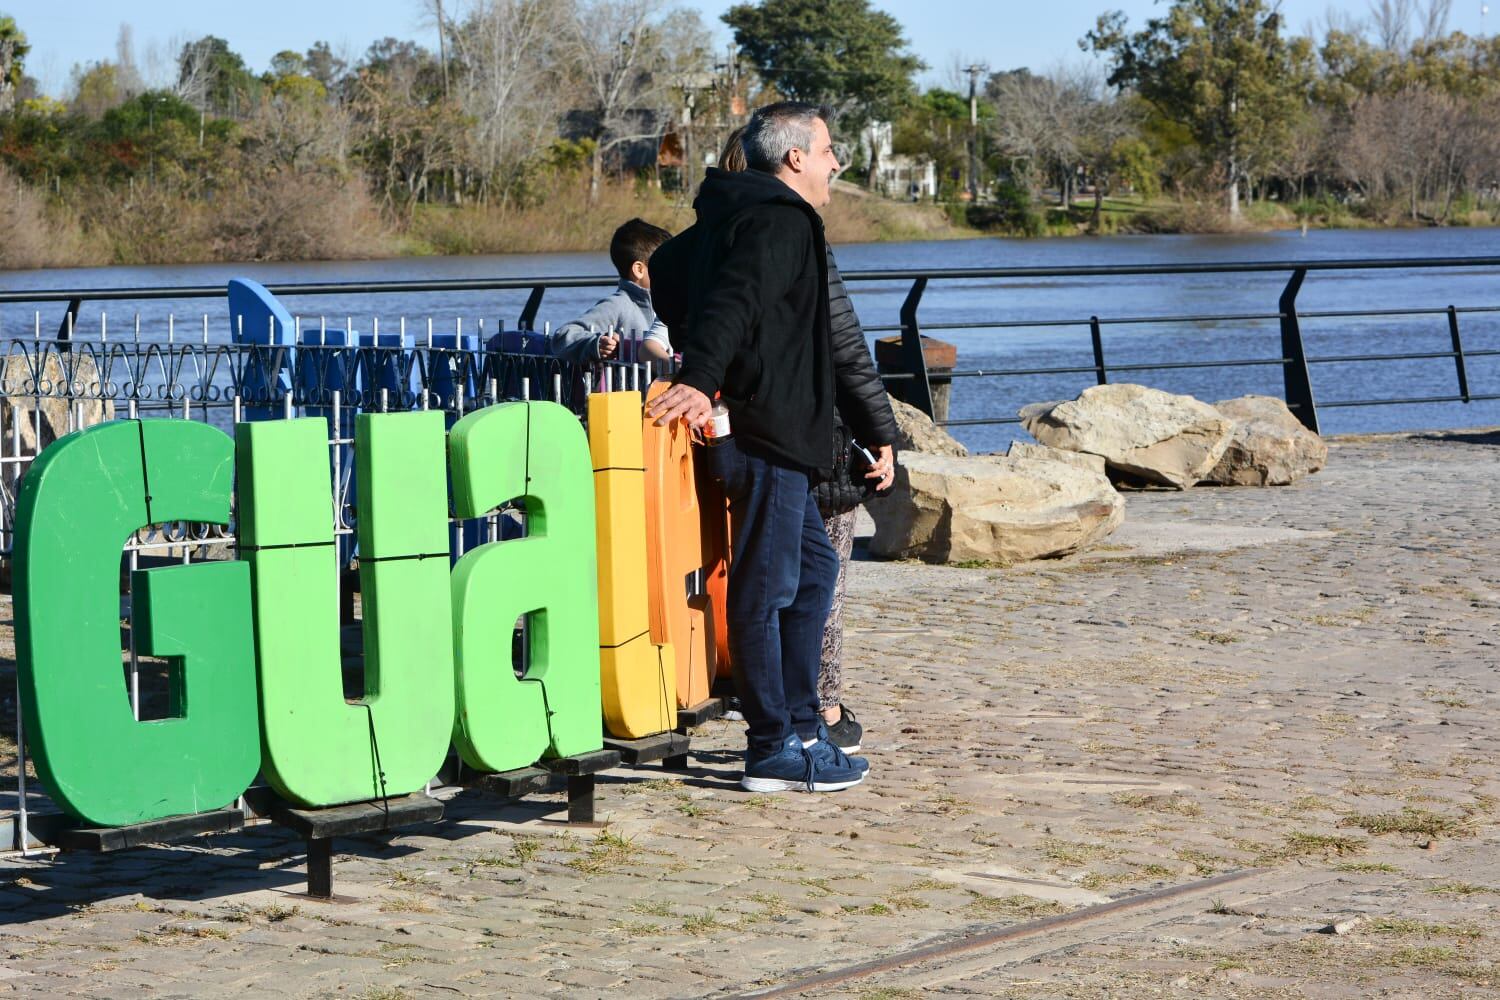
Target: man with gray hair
(746,287)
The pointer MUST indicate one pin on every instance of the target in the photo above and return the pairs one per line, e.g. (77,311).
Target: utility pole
(442,44)
(687,141)
(974,71)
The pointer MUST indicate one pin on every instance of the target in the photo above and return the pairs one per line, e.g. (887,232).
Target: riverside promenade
(1297,684)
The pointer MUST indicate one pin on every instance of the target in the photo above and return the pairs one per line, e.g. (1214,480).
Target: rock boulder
(995,509)
(37,383)
(1269,446)
(915,431)
(1080,459)
(1142,432)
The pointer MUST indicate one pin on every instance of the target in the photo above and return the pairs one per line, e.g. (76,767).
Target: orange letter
(674,548)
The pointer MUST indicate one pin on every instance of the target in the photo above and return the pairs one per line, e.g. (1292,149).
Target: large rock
(1269,446)
(994,509)
(1145,433)
(915,431)
(1083,460)
(37,383)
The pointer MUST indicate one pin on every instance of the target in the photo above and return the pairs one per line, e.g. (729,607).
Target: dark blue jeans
(781,576)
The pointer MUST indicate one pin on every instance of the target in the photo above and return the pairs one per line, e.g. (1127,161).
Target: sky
(1001,33)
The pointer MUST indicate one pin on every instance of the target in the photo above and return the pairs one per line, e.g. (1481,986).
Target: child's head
(632,245)
(732,158)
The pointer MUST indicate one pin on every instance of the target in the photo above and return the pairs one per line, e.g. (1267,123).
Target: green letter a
(535,451)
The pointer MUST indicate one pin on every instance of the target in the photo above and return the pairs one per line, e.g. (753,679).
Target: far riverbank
(965,312)
(95,228)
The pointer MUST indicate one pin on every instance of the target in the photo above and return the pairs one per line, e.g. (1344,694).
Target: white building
(897,175)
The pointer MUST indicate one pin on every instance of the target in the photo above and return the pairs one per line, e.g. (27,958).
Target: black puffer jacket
(863,409)
(746,289)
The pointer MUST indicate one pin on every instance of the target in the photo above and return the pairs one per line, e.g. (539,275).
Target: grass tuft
(1408,820)
(1174,803)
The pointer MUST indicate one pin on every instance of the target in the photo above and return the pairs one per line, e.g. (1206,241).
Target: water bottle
(725,465)
(716,431)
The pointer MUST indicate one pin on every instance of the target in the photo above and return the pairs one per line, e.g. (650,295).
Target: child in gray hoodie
(627,313)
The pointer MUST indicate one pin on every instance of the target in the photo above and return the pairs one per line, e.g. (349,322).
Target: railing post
(529,311)
(919,391)
(1098,339)
(1299,394)
(69,322)
(1458,354)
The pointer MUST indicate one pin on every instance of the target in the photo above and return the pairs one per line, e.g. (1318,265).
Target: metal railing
(913,382)
(1294,360)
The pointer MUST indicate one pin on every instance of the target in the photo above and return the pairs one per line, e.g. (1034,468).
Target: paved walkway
(1301,680)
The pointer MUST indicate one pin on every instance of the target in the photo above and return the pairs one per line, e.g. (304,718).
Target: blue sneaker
(795,767)
(829,754)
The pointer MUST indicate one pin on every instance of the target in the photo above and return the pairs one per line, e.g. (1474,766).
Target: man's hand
(884,469)
(680,401)
(608,344)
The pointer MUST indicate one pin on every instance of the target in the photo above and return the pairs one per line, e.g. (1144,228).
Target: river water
(963,302)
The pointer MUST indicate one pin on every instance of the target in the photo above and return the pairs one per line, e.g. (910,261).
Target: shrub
(1011,212)
(30,236)
(286,215)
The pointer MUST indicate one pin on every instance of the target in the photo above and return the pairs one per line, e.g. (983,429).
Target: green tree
(13,50)
(842,53)
(325,67)
(288,63)
(1221,69)
(96,89)
(935,126)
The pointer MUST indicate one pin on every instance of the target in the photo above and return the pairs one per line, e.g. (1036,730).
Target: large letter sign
(78,505)
(318,749)
(535,452)
(254,664)
(638,675)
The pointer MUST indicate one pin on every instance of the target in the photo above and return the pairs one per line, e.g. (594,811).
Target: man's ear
(794,160)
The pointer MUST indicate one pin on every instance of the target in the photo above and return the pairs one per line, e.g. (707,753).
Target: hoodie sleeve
(578,341)
(574,342)
(766,255)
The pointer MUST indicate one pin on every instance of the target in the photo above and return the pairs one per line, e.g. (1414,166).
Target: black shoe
(846,733)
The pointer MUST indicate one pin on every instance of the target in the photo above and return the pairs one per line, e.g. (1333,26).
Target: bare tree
(1307,149)
(1435,19)
(1026,109)
(625,54)
(195,73)
(506,77)
(405,133)
(298,129)
(1408,145)
(1392,22)
(1058,123)
(127,75)
(1101,120)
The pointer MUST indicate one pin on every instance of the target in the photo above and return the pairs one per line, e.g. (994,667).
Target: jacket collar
(638,295)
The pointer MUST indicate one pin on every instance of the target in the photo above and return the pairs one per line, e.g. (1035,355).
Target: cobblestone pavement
(1299,679)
